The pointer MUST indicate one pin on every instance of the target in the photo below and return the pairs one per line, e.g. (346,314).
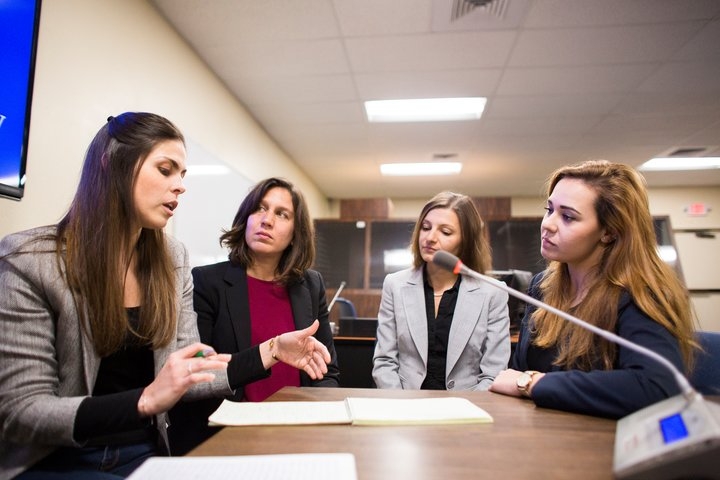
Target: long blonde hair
(629,263)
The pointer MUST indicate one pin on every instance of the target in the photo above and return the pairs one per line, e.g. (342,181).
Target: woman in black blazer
(264,290)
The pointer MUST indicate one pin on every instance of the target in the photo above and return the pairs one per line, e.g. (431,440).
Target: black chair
(517,280)
(705,377)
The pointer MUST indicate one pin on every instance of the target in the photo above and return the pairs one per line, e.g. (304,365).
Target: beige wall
(663,201)
(98,58)
(700,262)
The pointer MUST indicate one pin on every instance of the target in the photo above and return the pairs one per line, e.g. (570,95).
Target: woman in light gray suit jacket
(437,330)
(99,336)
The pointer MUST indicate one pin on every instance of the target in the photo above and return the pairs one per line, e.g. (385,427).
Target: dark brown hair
(101,222)
(298,256)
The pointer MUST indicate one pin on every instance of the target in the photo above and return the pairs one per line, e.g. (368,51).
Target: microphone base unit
(671,439)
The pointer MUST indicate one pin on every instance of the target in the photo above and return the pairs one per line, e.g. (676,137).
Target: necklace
(438,294)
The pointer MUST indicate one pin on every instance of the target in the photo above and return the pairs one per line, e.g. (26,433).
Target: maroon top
(270,315)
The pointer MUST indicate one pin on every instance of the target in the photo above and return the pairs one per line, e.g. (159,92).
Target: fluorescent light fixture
(681,163)
(196,170)
(425,109)
(416,169)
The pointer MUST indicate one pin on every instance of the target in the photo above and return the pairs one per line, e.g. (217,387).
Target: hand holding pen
(183,369)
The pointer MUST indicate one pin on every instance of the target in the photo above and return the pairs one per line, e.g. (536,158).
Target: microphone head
(446,260)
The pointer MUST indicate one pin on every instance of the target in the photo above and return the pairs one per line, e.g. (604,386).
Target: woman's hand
(184,368)
(301,350)
(506,382)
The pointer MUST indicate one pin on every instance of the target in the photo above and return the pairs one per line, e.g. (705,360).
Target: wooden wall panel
(367,302)
(365,209)
(493,208)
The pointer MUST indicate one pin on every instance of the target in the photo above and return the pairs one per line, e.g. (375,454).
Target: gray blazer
(478,346)
(47,364)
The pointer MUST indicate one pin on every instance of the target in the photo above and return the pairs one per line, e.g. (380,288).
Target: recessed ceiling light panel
(425,109)
(681,163)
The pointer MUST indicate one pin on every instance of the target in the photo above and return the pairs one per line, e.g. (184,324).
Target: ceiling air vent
(688,152)
(495,8)
(444,156)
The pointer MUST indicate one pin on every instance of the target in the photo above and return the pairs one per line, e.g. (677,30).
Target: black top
(438,333)
(110,415)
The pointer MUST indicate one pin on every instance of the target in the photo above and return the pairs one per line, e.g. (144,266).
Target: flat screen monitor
(19,22)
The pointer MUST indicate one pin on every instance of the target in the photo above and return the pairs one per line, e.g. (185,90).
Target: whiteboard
(208,205)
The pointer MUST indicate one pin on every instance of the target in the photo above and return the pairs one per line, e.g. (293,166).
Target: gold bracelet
(271,345)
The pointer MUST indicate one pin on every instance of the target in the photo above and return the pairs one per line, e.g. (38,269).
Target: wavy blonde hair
(629,263)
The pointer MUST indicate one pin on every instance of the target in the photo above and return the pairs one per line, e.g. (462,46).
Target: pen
(204,353)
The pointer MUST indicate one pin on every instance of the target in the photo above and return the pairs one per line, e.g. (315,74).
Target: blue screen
(673,428)
(18,34)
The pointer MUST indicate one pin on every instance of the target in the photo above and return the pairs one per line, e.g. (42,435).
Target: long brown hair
(474,248)
(298,256)
(101,222)
(629,263)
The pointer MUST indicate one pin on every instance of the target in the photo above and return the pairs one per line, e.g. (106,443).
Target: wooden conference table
(523,441)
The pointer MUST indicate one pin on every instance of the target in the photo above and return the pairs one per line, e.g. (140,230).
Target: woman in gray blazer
(99,336)
(437,330)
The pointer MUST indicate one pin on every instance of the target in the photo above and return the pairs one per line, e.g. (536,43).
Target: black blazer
(221,302)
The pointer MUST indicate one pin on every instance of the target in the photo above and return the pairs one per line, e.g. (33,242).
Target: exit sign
(697,209)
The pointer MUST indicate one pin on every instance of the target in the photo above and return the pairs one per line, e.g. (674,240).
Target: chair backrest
(706,374)
(346,307)
(517,280)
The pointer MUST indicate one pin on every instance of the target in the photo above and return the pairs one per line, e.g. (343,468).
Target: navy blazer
(221,301)
(635,382)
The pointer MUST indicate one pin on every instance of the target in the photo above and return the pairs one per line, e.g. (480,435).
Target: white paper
(415,411)
(313,466)
(280,413)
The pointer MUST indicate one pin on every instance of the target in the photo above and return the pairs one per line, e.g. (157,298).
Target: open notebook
(352,410)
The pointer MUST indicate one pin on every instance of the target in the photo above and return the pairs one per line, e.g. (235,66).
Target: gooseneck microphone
(678,437)
(337,294)
(450,262)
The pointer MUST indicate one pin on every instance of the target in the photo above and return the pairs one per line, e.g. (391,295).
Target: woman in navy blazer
(437,330)
(265,290)
(599,239)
